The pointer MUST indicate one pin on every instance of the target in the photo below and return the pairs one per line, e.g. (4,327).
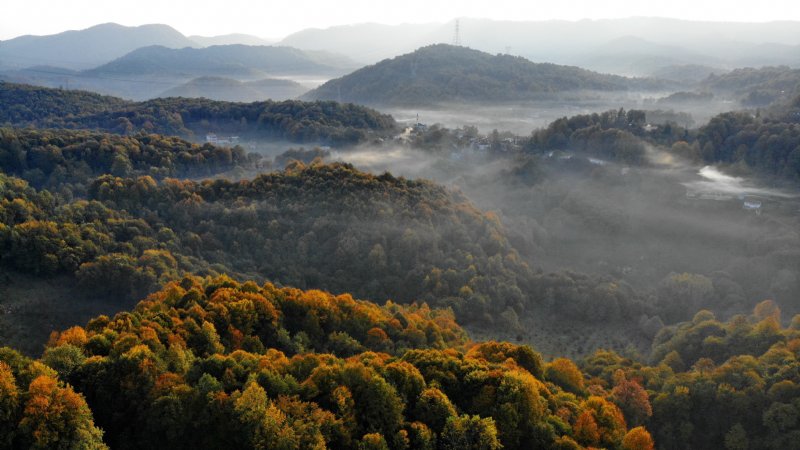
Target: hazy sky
(274,19)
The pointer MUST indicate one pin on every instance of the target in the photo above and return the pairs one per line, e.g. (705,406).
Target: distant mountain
(228,89)
(368,42)
(87,48)
(40,75)
(686,73)
(147,72)
(576,42)
(241,61)
(633,55)
(445,73)
(768,54)
(230,39)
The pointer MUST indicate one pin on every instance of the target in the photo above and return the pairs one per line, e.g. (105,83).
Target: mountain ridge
(83,49)
(447,73)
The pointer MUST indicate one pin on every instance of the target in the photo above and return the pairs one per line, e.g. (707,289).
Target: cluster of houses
(466,141)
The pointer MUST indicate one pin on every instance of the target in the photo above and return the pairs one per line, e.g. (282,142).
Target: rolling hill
(228,89)
(243,61)
(446,73)
(139,63)
(147,72)
(313,122)
(749,86)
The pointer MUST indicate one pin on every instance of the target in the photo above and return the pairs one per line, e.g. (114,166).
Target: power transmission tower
(457,33)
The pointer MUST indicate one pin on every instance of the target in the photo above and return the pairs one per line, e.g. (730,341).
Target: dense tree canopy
(38,411)
(328,122)
(714,384)
(211,363)
(63,161)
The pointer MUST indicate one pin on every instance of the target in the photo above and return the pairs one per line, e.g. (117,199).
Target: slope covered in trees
(414,240)
(769,145)
(757,87)
(715,384)
(317,226)
(212,363)
(62,161)
(612,135)
(766,143)
(326,122)
(445,73)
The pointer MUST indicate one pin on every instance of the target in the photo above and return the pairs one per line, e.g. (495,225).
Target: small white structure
(752,205)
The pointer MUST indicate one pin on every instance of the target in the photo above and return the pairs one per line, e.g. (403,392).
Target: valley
(342,239)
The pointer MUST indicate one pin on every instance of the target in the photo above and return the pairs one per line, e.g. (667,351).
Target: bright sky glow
(274,19)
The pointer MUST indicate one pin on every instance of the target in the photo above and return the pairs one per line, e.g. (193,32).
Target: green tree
(469,433)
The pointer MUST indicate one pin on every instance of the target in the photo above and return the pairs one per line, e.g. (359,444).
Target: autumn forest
(189,273)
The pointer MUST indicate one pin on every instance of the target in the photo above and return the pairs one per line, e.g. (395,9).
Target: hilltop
(228,89)
(446,73)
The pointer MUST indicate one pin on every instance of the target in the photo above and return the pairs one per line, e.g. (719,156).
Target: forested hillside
(325,122)
(767,143)
(770,145)
(757,86)
(62,161)
(591,229)
(732,384)
(445,73)
(220,362)
(412,240)
(212,363)
(103,210)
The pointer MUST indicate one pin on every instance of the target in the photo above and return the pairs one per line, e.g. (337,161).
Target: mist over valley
(475,234)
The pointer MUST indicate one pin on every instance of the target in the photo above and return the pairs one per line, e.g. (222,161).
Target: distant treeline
(63,160)
(326,122)
(612,135)
(757,87)
(768,143)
